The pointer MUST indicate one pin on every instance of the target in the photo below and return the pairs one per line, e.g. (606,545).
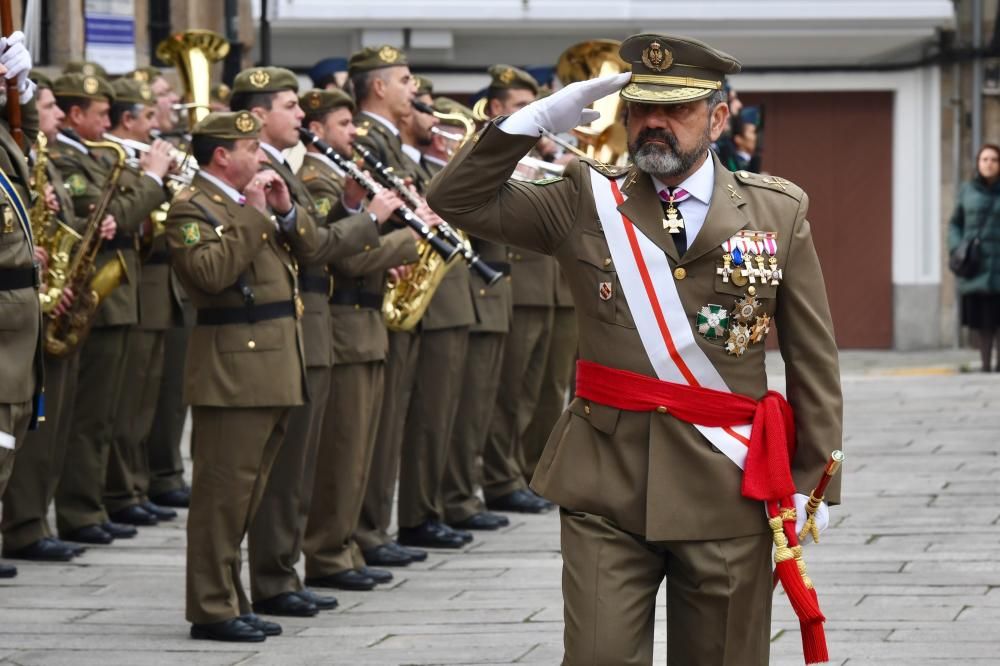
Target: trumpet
(184,165)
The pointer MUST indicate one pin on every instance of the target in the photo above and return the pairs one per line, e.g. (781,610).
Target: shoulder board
(772,183)
(361,128)
(308,173)
(607,170)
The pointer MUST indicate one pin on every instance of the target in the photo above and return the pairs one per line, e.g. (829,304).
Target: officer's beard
(665,161)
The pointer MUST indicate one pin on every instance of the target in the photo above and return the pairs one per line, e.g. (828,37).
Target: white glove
(17,60)
(822,513)
(564,109)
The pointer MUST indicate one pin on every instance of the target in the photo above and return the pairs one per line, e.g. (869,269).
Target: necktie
(673,221)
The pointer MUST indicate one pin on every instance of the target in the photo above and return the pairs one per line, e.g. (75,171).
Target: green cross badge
(712,321)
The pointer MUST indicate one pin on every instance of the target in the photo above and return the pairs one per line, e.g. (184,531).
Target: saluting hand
(566,108)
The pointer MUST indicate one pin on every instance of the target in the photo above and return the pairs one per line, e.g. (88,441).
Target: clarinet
(443,247)
(472,258)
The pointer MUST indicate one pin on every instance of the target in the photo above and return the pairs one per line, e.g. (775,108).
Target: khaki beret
(83,86)
(449,106)
(673,70)
(85,67)
(265,79)
(131,91)
(375,57)
(228,125)
(220,93)
(40,79)
(316,102)
(505,77)
(424,85)
(146,74)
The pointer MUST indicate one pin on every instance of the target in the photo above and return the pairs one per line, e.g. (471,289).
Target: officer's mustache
(655,134)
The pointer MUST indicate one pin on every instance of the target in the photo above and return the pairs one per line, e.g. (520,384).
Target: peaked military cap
(131,91)
(83,86)
(424,85)
(673,70)
(147,74)
(40,79)
(228,125)
(220,93)
(265,79)
(505,77)
(316,102)
(85,67)
(375,57)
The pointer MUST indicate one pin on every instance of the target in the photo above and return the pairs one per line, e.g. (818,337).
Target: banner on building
(110,34)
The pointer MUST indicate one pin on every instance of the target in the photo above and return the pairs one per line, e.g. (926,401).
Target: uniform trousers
(429,421)
(343,462)
(718,596)
(39,462)
(553,391)
(166,466)
(400,372)
(233,449)
(275,537)
(14,421)
(480,385)
(521,379)
(127,480)
(79,496)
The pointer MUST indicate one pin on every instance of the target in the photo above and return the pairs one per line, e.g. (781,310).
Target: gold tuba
(193,53)
(67,331)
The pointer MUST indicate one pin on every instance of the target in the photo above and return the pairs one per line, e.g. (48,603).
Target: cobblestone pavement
(909,574)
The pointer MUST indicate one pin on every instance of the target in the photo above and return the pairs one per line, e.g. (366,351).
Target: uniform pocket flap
(593,249)
(601,417)
(262,336)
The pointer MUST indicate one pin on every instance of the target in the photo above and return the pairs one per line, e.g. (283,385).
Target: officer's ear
(718,120)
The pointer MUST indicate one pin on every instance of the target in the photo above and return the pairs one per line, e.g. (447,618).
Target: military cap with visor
(265,80)
(131,91)
(147,74)
(85,67)
(228,125)
(316,102)
(83,86)
(505,77)
(673,70)
(448,106)
(220,93)
(375,57)
(41,80)
(424,85)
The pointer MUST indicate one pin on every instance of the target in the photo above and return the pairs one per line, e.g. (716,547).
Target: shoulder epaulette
(607,170)
(361,129)
(772,183)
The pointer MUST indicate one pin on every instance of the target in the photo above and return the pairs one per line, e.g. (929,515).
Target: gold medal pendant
(739,337)
(739,276)
(760,329)
(673,222)
(727,267)
(746,309)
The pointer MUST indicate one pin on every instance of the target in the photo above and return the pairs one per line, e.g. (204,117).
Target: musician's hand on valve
(51,200)
(16,59)
(276,192)
(109,227)
(255,195)
(65,301)
(822,513)
(425,213)
(384,204)
(42,258)
(564,109)
(157,160)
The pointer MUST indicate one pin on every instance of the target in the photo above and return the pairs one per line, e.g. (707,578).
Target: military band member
(533,283)
(354,405)
(168,121)
(275,536)
(86,101)
(133,118)
(26,531)
(383,90)
(21,371)
(659,258)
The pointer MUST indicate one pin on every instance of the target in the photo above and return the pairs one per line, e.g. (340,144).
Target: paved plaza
(908,575)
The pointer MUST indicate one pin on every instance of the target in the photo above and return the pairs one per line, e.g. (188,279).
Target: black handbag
(966,259)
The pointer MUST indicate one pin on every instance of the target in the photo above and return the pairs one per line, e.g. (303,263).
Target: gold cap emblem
(656,57)
(506,76)
(314,101)
(259,78)
(245,123)
(140,75)
(145,92)
(90,85)
(88,69)
(388,54)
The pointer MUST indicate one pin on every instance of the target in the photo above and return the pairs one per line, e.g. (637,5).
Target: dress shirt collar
(273,152)
(385,121)
(228,189)
(700,184)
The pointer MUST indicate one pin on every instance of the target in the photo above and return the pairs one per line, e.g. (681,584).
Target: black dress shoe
(288,604)
(43,550)
(380,576)
(447,530)
(119,531)
(386,556)
(88,534)
(133,515)
(415,554)
(77,550)
(501,519)
(483,520)
(548,505)
(262,625)
(8,571)
(161,513)
(179,498)
(320,601)
(520,501)
(429,535)
(234,630)
(350,579)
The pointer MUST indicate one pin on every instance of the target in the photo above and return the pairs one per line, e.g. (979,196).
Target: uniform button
(517,257)
(368,248)
(586,409)
(357,306)
(264,236)
(607,261)
(752,290)
(508,278)
(661,409)
(680,273)
(302,231)
(252,344)
(482,292)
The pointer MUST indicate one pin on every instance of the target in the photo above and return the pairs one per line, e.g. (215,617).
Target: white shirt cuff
(520,123)
(352,211)
(287,221)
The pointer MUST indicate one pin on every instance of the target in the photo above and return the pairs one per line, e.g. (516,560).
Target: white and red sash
(663,325)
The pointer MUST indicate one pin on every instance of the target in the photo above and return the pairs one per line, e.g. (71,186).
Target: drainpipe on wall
(977,76)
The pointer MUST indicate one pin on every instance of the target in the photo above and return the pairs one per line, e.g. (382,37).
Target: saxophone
(58,243)
(67,331)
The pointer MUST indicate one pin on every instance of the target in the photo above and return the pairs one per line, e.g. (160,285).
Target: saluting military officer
(86,101)
(26,531)
(677,267)
(533,287)
(133,117)
(275,537)
(352,411)
(21,369)
(383,90)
